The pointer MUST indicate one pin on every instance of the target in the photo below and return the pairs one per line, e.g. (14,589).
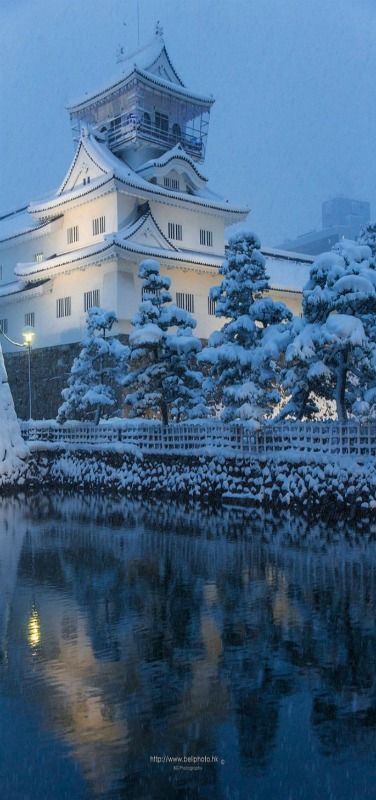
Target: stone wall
(326,491)
(50,368)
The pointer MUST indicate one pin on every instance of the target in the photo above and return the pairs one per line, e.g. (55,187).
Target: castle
(135,188)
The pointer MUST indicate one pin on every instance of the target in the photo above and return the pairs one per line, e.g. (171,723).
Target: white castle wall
(191,222)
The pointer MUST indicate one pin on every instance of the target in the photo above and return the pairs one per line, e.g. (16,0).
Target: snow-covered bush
(163,379)
(333,350)
(96,372)
(244,355)
(13,450)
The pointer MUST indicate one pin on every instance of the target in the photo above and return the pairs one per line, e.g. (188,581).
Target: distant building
(342,218)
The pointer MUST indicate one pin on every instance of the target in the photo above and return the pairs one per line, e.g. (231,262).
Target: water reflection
(130,630)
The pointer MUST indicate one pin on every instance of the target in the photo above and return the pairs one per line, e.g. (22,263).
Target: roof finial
(159,30)
(120,52)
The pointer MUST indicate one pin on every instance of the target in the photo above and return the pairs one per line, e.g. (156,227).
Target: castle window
(99,225)
(30,319)
(91,299)
(175,231)
(147,120)
(63,307)
(38,257)
(176,132)
(171,183)
(4,326)
(186,301)
(211,306)
(72,234)
(206,238)
(161,123)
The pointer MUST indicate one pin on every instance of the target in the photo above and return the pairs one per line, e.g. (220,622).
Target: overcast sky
(294,80)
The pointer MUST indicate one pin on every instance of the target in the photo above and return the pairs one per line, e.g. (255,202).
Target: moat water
(154,650)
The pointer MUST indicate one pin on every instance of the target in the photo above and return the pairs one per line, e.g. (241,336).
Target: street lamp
(28,336)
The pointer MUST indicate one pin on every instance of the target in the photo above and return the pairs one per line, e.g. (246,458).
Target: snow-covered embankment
(324,486)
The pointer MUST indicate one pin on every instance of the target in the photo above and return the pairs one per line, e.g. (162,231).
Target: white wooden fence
(214,436)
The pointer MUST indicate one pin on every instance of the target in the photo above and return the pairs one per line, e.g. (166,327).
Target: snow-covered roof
(16,289)
(113,167)
(287,255)
(107,249)
(171,255)
(290,275)
(46,207)
(152,63)
(17,223)
(175,153)
(32,269)
(11,288)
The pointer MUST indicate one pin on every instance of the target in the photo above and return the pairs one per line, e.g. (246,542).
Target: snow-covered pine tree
(244,355)
(333,353)
(367,237)
(13,450)
(96,372)
(162,380)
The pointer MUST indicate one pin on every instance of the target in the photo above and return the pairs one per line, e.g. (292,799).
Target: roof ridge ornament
(120,50)
(159,30)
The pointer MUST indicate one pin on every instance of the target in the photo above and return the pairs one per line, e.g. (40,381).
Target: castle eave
(17,291)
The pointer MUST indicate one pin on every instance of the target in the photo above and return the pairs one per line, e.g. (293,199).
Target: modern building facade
(342,218)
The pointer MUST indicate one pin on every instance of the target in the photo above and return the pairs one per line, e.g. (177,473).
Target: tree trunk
(97,415)
(341,387)
(164,412)
(303,405)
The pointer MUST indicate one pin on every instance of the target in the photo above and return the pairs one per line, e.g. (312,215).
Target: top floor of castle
(146,110)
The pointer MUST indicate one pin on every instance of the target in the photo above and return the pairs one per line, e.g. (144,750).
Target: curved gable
(176,164)
(163,67)
(82,170)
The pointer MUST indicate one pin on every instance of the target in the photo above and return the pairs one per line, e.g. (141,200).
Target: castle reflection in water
(130,630)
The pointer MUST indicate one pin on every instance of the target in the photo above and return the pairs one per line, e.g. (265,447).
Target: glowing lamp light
(33,628)
(28,336)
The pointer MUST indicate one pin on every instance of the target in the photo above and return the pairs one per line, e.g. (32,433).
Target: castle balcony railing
(133,128)
(313,440)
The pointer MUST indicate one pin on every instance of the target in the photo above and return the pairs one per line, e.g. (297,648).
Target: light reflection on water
(130,630)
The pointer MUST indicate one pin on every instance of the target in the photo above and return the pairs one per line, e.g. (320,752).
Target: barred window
(185,300)
(206,238)
(171,183)
(175,231)
(91,299)
(99,225)
(211,306)
(38,257)
(72,234)
(30,319)
(4,326)
(63,307)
